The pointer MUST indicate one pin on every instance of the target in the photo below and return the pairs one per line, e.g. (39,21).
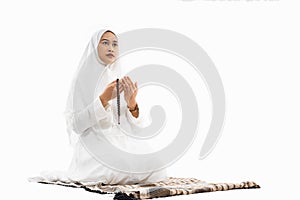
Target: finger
(126,80)
(121,88)
(125,87)
(130,83)
(128,87)
(113,93)
(125,84)
(120,82)
(132,87)
(113,85)
(123,81)
(129,79)
(136,85)
(115,81)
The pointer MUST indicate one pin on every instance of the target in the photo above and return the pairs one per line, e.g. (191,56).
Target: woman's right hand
(110,92)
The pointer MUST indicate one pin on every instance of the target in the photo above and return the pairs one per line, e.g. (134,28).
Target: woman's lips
(110,55)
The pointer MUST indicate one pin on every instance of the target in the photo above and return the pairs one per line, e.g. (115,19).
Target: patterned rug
(169,187)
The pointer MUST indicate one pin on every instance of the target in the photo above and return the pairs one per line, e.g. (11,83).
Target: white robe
(95,119)
(85,168)
(92,118)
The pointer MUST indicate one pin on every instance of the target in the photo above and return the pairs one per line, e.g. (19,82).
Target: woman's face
(108,48)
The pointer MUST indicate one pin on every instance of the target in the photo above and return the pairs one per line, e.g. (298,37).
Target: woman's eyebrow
(108,40)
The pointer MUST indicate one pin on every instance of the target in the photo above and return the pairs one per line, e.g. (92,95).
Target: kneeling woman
(87,113)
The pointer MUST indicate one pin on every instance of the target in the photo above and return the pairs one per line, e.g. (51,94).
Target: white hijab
(90,80)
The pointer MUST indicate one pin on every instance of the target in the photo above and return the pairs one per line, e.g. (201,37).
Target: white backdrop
(254,45)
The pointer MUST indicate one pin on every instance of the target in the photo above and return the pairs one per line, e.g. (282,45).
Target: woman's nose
(110,48)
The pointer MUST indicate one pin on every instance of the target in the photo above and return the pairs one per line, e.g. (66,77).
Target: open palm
(130,91)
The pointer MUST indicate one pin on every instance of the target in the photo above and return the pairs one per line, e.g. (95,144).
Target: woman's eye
(115,44)
(105,43)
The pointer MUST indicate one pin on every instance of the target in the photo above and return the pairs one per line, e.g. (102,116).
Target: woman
(90,110)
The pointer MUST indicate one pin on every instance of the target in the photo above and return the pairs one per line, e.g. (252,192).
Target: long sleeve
(142,121)
(88,117)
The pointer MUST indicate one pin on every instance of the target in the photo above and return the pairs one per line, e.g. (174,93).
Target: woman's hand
(110,92)
(130,92)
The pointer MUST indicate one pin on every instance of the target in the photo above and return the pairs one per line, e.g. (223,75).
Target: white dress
(86,168)
(95,119)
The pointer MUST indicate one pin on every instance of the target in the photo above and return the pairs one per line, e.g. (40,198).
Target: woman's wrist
(103,101)
(134,111)
(132,105)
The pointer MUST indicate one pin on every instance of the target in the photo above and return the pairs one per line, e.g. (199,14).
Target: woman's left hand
(130,91)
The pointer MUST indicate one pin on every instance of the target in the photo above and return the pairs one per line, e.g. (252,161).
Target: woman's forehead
(109,36)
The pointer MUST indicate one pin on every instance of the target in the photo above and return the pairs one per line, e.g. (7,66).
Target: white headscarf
(90,80)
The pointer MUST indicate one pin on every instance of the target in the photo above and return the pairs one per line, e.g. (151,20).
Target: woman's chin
(109,61)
